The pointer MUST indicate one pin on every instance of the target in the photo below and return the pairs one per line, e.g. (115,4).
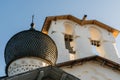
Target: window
(68,40)
(95,43)
(95,36)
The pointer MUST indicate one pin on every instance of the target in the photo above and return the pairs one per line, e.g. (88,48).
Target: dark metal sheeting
(31,43)
(46,73)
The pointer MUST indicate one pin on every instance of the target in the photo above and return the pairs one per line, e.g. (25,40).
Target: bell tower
(79,38)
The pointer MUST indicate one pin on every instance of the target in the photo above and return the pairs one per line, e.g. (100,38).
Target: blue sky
(15,16)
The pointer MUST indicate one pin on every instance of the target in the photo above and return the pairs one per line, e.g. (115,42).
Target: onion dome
(31,43)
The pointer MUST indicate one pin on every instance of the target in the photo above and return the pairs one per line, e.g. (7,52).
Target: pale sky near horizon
(15,16)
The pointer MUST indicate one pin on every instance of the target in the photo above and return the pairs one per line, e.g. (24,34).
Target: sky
(15,16)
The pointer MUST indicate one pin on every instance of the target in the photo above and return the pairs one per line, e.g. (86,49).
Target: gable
(48,20)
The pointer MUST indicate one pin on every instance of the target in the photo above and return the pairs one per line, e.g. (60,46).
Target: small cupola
(28,50)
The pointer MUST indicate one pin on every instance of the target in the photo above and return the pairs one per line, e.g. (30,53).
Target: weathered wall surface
(88,40)
(93,71)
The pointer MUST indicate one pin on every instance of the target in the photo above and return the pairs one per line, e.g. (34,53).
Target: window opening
(68,40)
(95,43)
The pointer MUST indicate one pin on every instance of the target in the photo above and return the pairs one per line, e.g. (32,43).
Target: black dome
(31,43)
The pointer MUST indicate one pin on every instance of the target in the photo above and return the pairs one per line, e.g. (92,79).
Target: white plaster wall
(107,48)
(81,35)
(82,44)
(111,53)
(92,71)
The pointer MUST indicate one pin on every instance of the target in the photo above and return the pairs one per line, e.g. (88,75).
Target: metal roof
(46,73)
(101,60)
(31,43)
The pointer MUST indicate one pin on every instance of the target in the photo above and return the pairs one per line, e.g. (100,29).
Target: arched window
(68,28)
(95,36)
(96,40)
(69,37)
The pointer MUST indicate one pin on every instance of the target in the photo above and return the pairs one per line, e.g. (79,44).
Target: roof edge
(99,59)
(48,20)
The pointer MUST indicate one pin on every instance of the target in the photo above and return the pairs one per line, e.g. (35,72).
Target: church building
(67,48)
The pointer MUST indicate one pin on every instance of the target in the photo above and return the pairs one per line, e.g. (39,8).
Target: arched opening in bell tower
(96,41)
(69,39)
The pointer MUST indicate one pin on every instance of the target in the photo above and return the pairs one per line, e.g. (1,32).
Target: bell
(95,43)
(98,45)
